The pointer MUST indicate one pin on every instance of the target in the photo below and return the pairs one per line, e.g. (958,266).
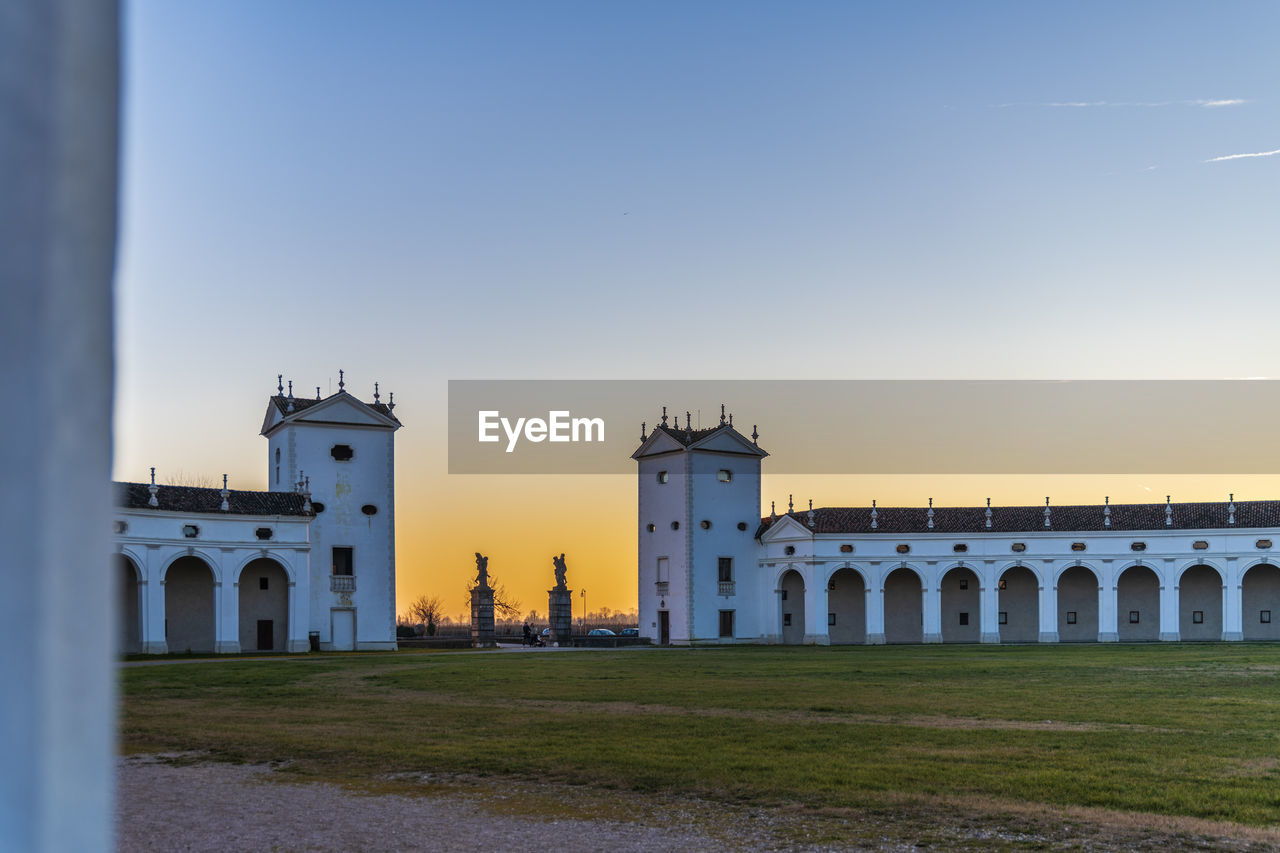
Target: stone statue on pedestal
(560,570)
(482,571)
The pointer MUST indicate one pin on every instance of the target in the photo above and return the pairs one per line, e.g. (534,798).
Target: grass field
(1188,732)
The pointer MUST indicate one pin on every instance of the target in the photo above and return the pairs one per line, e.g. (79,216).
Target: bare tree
(427,610)
(182,478)
(504,606)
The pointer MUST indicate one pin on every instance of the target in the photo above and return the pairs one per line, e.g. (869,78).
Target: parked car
(601,632)
(629,632)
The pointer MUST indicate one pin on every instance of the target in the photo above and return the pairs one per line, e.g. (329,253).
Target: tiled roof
(689,437)
(1030,519)
(193,499)
(301,403)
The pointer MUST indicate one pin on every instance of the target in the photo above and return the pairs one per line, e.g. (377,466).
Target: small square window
(1264,616)
(663,477)
(964,618)
(1197,617)
(724,475)
(964,583)
(1071,617)
(264,583)
(1004,617)
(1133,617)
(831,619)
(263,533)
(786,620)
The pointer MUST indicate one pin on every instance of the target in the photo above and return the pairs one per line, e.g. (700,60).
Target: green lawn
(1181,730)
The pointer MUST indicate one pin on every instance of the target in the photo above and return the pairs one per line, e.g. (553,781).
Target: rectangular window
(724,475)
(725,568)
(1197,617)
(726,623)
(1264,616)
(964,583)
(342,561)
(263,583)
(831,619)
(664,570)
(1004,617)
(964,618)
(1071,617)
(1133,617)
(784,595)
(786,620)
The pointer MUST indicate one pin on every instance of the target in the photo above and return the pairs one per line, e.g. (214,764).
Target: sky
(415,192)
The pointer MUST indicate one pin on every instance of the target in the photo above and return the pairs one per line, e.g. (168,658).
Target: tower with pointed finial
(699,511)
(347,447)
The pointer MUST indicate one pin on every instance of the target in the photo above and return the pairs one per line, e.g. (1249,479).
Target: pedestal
(482,630)
(560,608)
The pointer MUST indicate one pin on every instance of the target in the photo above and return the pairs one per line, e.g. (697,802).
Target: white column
(931,603)
(1169,622)
(1048,604)
(1232,602)
(990,595)
(158,644)
(875,605)
(58,155)
(226,591)
(1108,631)
(815,607)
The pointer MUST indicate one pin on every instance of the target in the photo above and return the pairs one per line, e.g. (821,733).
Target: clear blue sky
(421,191)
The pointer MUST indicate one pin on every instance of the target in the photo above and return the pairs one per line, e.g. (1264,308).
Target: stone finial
(317,392)
(1046,512)
(731,419)
(1168,511)
(154,490)
(1231,509)
(342,381)
(755,435)
(688,426)
(811,521)
(988,513)
(376,399)
(280,384)
(289,408)
(664,416)
(773,510)
(722,420)
(677,422)
(643,437)
(875,515)
(391,402)
(225,495)
(791,504)
(1106,511)
(930,513)
(306,494)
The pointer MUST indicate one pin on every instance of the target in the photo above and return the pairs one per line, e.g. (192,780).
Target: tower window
(742,525)
(724,568)
(369,509)
(651,527)
(706,524)
(342,561)
(317,506)
(675,525)
(663,476)
(724,475)
(342,452)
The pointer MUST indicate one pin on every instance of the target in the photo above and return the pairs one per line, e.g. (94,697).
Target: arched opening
(1138,605)
(1077,606)
(264,606)
(1260,596)
(961,603)
(792,608)
(130,612)
(1019,616)
(903,617)
(1200,604)
(188,606)
(847,606)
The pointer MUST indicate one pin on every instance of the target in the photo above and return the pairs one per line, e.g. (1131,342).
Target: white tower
(342,451)
(699,507)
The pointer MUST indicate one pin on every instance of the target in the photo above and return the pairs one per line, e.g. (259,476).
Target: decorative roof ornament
(280,384)
(677,422)
(342,382)
(755,435)
(642,435)
(722,421)
(289,408)
(1046,512)
(1168,511)
(791,507)
(731,419)
(306,494)
(811,523)
(376,398)
(930,513)
(226,494)
(154,489)
(988,513)
(1231,509)
(664,416)
(1106,511)
(874,515)
(317,392)
(391,402)
(773,510)
(688,427)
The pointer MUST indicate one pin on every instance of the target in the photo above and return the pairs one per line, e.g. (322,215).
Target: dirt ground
(179,803)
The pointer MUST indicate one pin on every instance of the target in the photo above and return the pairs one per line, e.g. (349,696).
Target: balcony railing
(726,587)
(663,587)
(342,583)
